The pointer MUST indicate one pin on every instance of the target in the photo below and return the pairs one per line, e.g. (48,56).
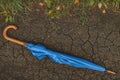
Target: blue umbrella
(40,52)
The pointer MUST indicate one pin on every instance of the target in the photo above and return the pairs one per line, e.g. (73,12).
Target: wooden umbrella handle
(12,39)
(111,72)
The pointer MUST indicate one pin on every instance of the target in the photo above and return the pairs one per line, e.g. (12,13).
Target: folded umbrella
(40,52)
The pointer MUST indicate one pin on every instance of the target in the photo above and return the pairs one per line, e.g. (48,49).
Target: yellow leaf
(50,11)
(100,5)
(58,8)
(41,4)
(76,1)
(104,11)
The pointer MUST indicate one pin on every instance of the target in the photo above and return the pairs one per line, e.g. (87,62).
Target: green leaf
(48,3)
(6,19)
(117,1)
(10,18)
(105,5)
(91,2)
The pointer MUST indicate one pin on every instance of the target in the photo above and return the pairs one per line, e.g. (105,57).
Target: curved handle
(12,39)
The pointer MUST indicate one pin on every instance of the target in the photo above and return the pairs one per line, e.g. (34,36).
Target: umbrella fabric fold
(40,52)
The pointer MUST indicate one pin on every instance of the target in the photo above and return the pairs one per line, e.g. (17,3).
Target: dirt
(97,40)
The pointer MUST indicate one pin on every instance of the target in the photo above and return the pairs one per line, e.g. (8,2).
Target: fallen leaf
(58,8)
(100,5)
(41,4)
(50,11)
(76,1)
(104,11)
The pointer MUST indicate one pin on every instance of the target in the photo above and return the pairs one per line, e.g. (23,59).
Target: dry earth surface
(98,40)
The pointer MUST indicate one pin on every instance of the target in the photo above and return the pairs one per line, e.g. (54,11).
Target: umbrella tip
(111,72)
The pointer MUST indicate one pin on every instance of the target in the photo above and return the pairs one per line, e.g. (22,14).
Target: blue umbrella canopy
(40,52)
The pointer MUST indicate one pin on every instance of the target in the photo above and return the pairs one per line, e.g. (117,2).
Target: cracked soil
(98,40)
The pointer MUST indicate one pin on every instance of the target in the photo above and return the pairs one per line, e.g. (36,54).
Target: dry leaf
(50,11)
(41,4)
(104,11)
(76,1)
(58,8)
(100,5)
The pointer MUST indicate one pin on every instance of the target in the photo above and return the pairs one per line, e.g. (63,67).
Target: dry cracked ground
(98,40)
